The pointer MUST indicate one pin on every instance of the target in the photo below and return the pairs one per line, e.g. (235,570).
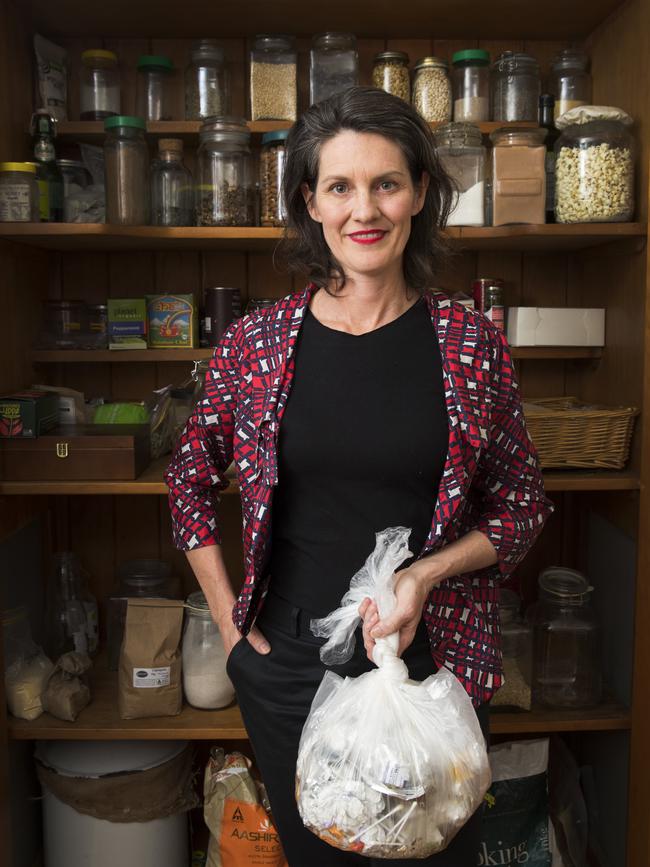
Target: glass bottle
(273,78)
(471,85)
(546,106)
(333,65)
(172,193)
(390,72)
(569,81)
(273,211)
(207,90)
(515,87)
(460,149)
(152,87)
(48,173)
(226,187)
(205,681)
(127,171)
(100,85)
(518,176)
(432,90)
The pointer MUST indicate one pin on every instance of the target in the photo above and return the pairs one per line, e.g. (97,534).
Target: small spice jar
(460,150)
(152,87)
(432,90)
(471,85)
(515,87)
(100,84)
(172,191)
(273,78)
(205,682)
(390,72)
(570,82)
(333,65)
(518,176)
(226,188)
(594,166)
(207,86)
(19,193)
(126,157)
(272,157)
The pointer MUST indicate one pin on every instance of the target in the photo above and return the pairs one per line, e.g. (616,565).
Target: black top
(363,442)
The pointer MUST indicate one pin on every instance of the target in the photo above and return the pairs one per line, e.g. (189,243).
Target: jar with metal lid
(172,192)
(570,81)
(207,85)
(333,65)
(471,85)
(594,166)
(226,188)
(460,150)
(515,87)
(100,85)
(62,325)
(95,330)
(273,78)
(566,637)
(516,649)
(518,176)
(126,158)
(432,90)
(19,193)
(152,92)
(390,72)
(205,682)
(273,211)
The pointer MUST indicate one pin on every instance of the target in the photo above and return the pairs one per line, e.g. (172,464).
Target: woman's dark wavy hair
(365,110)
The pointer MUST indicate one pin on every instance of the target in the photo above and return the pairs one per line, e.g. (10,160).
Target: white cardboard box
(556,326)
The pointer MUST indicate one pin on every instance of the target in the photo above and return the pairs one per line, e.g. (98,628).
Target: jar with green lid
(390,72)
(19,193)
(432,90)
(152,93)
(471,85)
(459,147)
(570,81)
(273,211)
(273,78)
(100,84)
(226,186)
(126,158)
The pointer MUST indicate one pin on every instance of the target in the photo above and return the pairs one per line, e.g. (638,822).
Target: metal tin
(479,287)
(494,306)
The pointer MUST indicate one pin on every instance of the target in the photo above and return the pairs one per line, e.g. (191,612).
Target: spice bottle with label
(19,193)
(460,150)
(518,176)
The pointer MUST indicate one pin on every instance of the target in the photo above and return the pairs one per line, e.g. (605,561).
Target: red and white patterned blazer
(491,480)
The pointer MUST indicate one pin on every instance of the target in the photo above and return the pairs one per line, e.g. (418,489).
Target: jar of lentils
(226,188)
(515,87)
(432,90)
(390,72)
(273,80)
(272,210)
(471,85)
(207,91)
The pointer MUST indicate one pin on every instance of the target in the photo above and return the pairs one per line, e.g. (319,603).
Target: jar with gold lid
(390,72)
(432,90)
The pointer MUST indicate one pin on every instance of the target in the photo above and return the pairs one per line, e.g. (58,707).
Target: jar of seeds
(226,186)
(207,90)
(432,90)
(273,81)
(273,210)
(390,72)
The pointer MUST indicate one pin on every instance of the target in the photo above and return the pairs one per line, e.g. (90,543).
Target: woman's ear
(420,194)
(309,197)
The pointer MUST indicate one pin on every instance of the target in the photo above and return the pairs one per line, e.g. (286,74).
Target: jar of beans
(390,72)
(273,211)
(226,187)
(432,90)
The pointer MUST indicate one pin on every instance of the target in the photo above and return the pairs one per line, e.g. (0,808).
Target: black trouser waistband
(287,617)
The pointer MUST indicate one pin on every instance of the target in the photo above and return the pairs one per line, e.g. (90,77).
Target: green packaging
(127,323)
(173,321)
(28,413)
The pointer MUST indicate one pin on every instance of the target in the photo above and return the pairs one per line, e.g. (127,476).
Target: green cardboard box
(28,413)
(127,323)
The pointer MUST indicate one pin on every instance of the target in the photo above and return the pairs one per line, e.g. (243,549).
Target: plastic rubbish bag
(387,767)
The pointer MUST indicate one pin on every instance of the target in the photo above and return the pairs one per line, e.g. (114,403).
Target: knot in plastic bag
(386,659)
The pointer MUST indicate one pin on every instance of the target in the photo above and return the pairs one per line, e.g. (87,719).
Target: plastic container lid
(125,120)
(18,167)
(94,759)
(98,54)
(159,61)
(275,135)
(474,55)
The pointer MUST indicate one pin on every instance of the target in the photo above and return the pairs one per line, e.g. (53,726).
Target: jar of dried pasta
(390,72)
(272,211)
(432,90)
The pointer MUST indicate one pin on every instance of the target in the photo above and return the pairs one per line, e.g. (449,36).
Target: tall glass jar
(100,85)
(172,192)
(518,176)
(515,87)
(471,85)
(333,65)
(152,93)
(390,72)
(566,635)
(460,149)
(432,90)
(570,82)
(226,187)
(205,682)
(273,210)
(594,166)
(207,86)
(273,78)
(126,159)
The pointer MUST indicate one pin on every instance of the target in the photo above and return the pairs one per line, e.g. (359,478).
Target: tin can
(222,305)
(479,289)
(494,307)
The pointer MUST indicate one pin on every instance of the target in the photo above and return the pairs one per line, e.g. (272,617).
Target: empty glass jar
(570,82)
(333,65)
(432,90)
(273,78)
(515,87)
(152,87)
(126,158)
(390,72)
(100,85)
(226,187)
(460,149)
(205,682)
(471,85)
(207,90)
(172,193)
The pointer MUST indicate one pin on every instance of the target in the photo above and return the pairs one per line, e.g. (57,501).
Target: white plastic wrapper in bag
(387,767)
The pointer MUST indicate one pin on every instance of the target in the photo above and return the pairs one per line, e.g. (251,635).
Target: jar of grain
(515,87)
(432,89)
(518,176)
(390,72)
(516,648)
(273,78)
(226,186)
(126,158)
(594,166)
(272,207)
(460,150)
(205,682)
(19,193)
(100,85)
(333,65)
(471,85)
(207,86)
(570,82)
(152,94)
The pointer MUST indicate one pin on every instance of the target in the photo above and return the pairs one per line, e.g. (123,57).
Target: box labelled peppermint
(127,323)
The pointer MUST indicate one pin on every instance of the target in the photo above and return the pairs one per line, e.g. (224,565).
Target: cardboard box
(173,321)
(556,326)
(28,413)
(127,323)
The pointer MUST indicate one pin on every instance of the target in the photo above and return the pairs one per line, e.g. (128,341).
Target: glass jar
(569,81)
(19,193)
(518,176)
(471,85)
(172,192)
(71,609)
(126,158)
(432,90)
(226,189)
(205,682)
(100,85)
(594,166)
(273,78)
(390,72)
(75,176)
(460,150)
(333,65)
(207,90)
(63,323)
(95,332)
(516,647)
(515,87)
(257,304)
(152,95)
(273,211)
(566,635)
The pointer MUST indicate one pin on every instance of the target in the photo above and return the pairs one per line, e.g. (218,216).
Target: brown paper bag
(150,659)
(67,692)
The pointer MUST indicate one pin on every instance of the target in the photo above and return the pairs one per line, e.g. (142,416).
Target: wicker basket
(569,433)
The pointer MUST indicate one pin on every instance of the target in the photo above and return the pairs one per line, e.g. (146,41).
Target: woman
(363,402)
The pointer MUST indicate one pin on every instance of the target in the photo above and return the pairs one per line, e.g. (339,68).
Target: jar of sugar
(205,682)
(461,152)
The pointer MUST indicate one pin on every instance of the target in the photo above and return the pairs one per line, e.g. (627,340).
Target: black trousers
(275,692)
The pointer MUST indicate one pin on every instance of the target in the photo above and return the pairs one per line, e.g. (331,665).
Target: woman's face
(365,199)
